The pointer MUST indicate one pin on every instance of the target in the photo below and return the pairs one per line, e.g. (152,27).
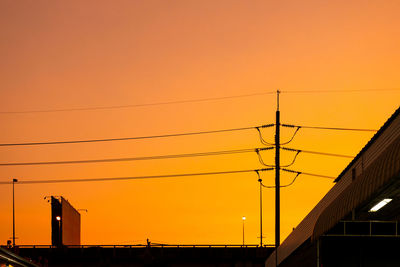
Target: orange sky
(101,53)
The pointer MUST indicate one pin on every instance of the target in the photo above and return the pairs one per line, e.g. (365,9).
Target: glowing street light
(243,219)
(58,218)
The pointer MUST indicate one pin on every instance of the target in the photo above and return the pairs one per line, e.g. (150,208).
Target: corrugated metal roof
(384,169)
(376,136)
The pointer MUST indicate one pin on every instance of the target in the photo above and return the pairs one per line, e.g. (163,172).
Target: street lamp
(261,215)
(58,218)
(243,219)
(13,182)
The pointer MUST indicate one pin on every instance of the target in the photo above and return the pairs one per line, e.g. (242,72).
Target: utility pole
(261,234)
(277,178)
(13,182)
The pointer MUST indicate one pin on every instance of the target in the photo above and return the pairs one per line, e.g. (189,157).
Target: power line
(138,105)
(260,159)
(317,153)
(286,185)
(194,100)
(329,128)
(131,177)
(341,91)
(310,174)
(264,142)
(173,156)
(291,139)
(130,138)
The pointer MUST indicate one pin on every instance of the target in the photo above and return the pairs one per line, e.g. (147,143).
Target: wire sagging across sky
(317,153)
(131,138)
(139,105)
(341,91)
(310,174)
(196,100)
(131,177)
(173,156)
(283,186)
(329,128)
(298,173)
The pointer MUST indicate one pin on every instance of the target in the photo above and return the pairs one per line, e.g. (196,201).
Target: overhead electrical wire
(298,173)
(317,153)
(139,105)
(173,156)
(264,142)
(307,173)
(286,185)
(340,91)
(291,139)
(130,138)
(268,165)
(293,161)
(329,128)
(195,100)
(129,178)
(261,160)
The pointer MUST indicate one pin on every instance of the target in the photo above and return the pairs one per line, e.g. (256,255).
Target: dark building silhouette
(65,223)
(151,256)
(356,222)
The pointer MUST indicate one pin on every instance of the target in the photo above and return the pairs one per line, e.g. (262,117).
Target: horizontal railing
(152,245)
(365,228)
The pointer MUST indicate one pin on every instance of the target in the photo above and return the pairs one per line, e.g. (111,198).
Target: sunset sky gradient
(74,54)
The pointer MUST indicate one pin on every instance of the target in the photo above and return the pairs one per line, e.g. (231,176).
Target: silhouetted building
(65,223)
(356,222)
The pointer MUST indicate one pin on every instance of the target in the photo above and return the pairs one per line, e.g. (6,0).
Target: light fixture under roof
(380,205)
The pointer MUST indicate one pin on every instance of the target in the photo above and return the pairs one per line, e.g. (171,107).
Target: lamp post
(58,218)
(261,233)
(243,219)
(13,182)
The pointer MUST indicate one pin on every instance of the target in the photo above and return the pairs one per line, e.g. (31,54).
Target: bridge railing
(152,245)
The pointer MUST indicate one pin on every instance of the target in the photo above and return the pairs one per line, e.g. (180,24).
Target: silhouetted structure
(65,223)
(8,258)
(154,255)
(346,228)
